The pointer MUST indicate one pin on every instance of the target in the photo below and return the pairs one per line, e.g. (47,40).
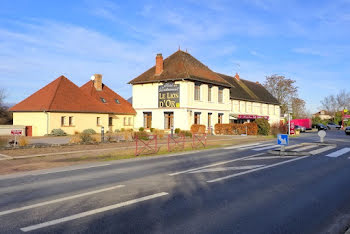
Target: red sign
(292,128)
(253,117)
(16,132)
(347,116)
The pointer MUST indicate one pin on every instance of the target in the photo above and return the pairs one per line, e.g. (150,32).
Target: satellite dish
(92,78)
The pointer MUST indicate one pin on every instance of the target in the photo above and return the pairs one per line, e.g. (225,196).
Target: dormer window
(117,101)
(103,100)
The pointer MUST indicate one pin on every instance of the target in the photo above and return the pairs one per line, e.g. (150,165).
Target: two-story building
(180,91)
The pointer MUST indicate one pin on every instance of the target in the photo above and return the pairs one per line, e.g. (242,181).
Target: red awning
(253,117)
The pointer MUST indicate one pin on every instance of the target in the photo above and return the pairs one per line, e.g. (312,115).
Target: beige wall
(145,99)
(43,123)
(38,121)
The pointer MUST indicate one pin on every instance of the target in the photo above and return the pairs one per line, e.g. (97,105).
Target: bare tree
(282,88)
(334,103)
(298,108)
(5,115)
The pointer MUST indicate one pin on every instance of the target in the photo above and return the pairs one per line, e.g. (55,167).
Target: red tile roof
(178,66)
(124,107)
(61,95)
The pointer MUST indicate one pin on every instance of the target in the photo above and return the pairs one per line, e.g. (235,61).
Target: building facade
(63,105)
(180,91)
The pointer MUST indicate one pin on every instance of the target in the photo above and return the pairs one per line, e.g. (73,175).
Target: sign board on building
(169,95)
(252,117)
(282,139)
(16,132)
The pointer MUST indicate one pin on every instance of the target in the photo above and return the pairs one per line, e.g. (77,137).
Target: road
(227,190)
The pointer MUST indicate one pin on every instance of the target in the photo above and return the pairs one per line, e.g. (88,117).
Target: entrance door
(168,120)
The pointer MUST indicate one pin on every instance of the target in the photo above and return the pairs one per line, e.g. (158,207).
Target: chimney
(98,82)
(237,76)
(159,64)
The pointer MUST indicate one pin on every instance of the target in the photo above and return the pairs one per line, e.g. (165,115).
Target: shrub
(89,131)
(141,135)
(197,128)
(141,129)
(86,138)
(263,126)
(75,139)
(4,140)
(58,132)
(278,128)
(23,141)
(236,129)
(160,133)
(76,132)
(186,133)
(177,130)
(151,129)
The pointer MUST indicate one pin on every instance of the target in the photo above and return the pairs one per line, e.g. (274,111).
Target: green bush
(263,126)
(89,131)
(86,137)
(58,132)
(151,129)
(141,129)
(177,130)
(186,133)
(141,135)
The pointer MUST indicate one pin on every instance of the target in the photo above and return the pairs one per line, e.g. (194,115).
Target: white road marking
(306,147)
(212,165)
(338,153)
(58,200)
(5,156)
(71,169)
(253,170)
(267,147)
(91,212)
(269,157)
(218,169)
(292,146)
(321,150)
(246,146)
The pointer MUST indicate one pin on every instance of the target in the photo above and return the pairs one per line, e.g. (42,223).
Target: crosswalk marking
(265,148)
(247,146)
(321,150)
(292,146)
(306,147)
(268,157)
(338,153)
(218,169)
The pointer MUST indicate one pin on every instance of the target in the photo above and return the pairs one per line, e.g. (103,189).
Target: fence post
(136,146)
(156,149)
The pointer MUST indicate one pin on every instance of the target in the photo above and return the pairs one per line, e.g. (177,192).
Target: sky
(307,41)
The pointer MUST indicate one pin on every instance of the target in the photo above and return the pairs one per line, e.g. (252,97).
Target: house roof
(61,95)
(250,91)
(123,107)
(178,66)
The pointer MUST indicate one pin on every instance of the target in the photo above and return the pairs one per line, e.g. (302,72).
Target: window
(117,101)
(129,121)
(220,96)
(103,100)
(197,92)
(71,121)
(209,120)
(110,121)
(168,120)
(98,121)
(147,119)
(197,118)
(63,121)
(125,123)
(209,93)
(220,118)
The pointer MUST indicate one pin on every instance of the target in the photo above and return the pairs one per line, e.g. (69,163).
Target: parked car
(333,126)
(321,127)
(300,128)
(347,130)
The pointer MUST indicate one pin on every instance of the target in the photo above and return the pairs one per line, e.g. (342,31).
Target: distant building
(323,115)
(180,91)
(62,104)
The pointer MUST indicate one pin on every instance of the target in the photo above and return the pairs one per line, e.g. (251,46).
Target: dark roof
(178,66)
(123,107)
(61,95)
(249,91)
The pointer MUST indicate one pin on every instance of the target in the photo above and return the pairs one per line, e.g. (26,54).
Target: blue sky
(304,40)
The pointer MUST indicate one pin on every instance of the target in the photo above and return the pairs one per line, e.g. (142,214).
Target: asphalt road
(228,190)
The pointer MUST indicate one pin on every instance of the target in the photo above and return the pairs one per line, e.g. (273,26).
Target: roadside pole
(288,123)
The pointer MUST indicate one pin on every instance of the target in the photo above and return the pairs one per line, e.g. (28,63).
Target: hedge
(197,128)
(236,129)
